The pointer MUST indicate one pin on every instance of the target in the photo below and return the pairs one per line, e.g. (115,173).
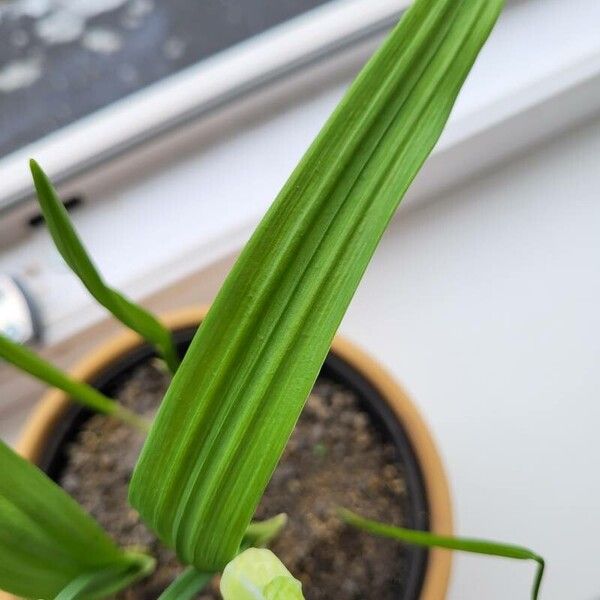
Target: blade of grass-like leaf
(72,250)
(106,582)
(236,397)
(260,533)
(47,541)
(28,361)
(430,540)
(187,585)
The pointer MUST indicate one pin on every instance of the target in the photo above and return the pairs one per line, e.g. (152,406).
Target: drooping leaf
(28,361)
(48,543)
(257,574)
(431,540)
(75,255)
(187,585)
(232,405)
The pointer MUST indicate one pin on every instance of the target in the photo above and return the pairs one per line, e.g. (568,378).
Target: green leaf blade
(431,540)
(187,585)
(47,541)
(261,533)
(28,361)
(105,582)
(75,255)
(234,402)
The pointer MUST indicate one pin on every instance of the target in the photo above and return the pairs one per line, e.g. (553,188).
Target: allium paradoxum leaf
(235,399)
(71,248)
(49,547)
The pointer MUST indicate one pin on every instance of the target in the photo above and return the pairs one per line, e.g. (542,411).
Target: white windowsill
(539,74)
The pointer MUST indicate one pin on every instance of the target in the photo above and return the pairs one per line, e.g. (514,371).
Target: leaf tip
(34,167)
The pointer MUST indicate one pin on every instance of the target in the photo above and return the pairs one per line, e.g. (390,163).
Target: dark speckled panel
(155,39)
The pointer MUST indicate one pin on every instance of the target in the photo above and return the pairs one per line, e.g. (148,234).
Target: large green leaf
(48,543)
(72,250)
(432,540)
(235,399)
(28,361)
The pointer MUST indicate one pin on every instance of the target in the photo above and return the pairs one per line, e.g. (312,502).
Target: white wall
(484,304)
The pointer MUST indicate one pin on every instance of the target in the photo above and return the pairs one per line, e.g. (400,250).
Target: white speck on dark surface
(139,8)
(90,8)
(102,40)
(20,73)
(136,13)
(26,8)
(87,54)
(130,22)
(60,27)
(174,48)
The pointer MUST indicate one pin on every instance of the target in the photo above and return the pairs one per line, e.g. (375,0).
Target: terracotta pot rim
(55,403)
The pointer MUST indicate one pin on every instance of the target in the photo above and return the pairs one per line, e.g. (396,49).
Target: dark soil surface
(334,458)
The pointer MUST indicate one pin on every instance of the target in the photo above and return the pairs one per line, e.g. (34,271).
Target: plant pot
(56,421)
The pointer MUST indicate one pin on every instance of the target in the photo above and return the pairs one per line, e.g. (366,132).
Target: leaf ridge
(246,376)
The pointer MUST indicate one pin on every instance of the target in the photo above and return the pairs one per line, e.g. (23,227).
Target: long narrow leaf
(235,399)
(47,541)
(187,585)
(260,533)
(72,250)
(28,361)
(430,540)
(106,582)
